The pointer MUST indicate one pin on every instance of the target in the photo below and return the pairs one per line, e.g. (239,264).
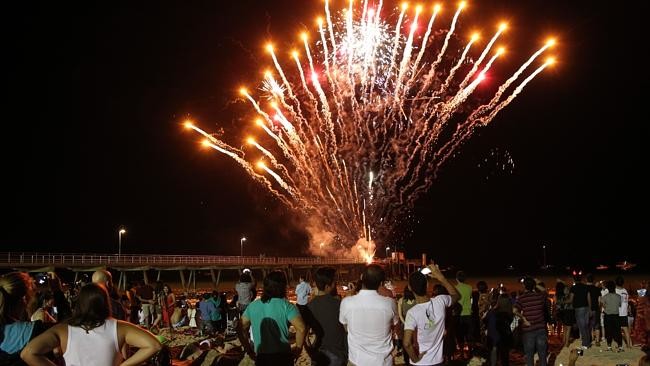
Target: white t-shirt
(369,318)
(622,310)
(428,320)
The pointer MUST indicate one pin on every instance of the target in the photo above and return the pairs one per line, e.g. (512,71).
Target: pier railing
(14,259)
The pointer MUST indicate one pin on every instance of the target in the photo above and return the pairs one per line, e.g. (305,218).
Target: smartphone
(345,288)
(641,292)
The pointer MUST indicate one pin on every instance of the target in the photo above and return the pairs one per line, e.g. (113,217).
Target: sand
(600,356)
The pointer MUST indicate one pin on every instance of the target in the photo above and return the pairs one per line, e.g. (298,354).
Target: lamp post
(121,232)
(241,246)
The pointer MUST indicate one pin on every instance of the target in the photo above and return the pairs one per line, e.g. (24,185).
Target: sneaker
(620,349)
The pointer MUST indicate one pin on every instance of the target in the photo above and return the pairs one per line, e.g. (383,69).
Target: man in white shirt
(622,310)
(424,326)
(303,290)
(369,319)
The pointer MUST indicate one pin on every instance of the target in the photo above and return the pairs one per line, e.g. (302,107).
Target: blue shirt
(16,336)
(302,293)
(207,309)
(270,324)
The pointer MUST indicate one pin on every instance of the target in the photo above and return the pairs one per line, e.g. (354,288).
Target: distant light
(503,26)
(462,5)
(475,36)
(243,91)
(188,124)
(550,42)
(122,231)
(269,47)
(437,7)
(550,61)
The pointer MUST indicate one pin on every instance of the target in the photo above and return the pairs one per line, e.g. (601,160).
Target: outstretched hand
(435,271)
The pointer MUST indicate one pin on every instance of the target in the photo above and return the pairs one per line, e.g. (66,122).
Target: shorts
(623,321)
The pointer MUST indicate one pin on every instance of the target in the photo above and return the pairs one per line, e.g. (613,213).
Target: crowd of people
(40,325)
(432,322)
(370,325)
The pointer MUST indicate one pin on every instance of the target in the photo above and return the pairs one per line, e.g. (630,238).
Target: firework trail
(356,125)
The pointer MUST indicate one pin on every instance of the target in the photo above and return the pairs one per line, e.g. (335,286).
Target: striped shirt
(531,304)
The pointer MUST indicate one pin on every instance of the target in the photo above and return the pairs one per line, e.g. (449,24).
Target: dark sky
(92,140)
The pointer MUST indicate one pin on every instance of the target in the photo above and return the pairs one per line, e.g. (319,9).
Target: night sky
(95,94)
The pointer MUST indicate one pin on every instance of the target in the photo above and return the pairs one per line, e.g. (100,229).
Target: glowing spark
(361,108)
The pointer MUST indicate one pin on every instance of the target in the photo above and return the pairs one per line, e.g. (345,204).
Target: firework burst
(353,125)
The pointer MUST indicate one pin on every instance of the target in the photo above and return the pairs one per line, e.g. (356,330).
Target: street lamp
(387,249)
(241,246)
(121,232)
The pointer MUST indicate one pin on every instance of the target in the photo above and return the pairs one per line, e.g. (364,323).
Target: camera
(425,270)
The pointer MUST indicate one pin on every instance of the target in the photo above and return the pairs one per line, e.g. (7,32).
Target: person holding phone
(424,326)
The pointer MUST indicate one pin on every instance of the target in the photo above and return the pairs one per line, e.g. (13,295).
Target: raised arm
(437,274)
(135,336)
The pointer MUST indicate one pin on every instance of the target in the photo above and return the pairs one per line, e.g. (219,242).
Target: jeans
(535,341)
(582,319)
(613,330)
(594,320)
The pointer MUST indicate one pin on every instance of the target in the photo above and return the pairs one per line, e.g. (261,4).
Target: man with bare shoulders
(104,277)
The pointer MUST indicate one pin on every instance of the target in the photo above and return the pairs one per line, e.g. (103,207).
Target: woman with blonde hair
(16,329)
(91,336)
